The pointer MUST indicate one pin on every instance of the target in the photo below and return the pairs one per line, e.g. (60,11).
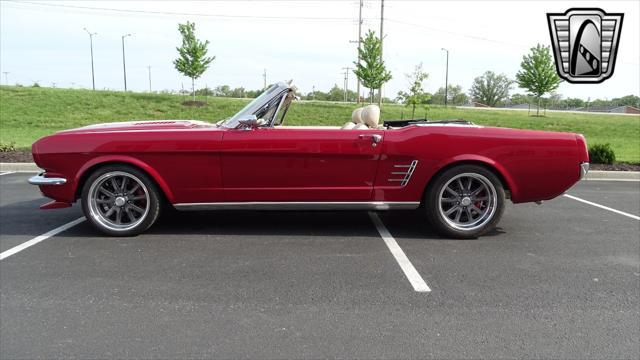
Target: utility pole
(124,64)
(264,79)
(381,37)
(149,69)
(6,77)
(359,44)
(346,82)
(446,80)
(313,92)
(93,78)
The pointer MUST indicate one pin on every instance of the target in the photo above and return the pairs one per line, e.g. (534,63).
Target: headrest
(356,116)
(371,115)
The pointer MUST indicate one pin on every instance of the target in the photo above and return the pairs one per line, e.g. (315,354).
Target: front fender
(100,160)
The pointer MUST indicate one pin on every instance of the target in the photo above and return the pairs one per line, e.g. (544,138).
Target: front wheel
(120,200)
(465,201)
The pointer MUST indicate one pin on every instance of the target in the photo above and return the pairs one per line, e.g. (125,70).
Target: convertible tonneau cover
(403,123)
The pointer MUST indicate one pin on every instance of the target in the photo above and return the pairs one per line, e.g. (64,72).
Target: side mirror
(248,122)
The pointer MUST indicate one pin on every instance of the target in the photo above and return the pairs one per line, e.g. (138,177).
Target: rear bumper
(584,170)
(41,180)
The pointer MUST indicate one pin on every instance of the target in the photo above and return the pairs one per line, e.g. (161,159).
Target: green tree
(630,100)
(573,103)
(538,74)
(192,61)
(455,96)
(416,94)
(371,70)
(490,88)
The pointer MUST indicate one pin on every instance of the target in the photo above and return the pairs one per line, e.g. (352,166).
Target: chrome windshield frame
(276,90)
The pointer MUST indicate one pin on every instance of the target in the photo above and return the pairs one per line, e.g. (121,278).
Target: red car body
(199,163)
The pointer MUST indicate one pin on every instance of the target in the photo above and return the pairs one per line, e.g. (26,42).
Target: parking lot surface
(560,280)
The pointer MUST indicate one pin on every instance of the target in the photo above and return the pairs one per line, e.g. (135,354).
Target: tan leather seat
(371,116)
(348,126)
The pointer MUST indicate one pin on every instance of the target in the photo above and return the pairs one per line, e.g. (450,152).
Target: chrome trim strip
(41,180)
(301,205)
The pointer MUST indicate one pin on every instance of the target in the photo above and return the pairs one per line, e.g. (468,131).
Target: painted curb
(19,167)
(593,175)
(613,175)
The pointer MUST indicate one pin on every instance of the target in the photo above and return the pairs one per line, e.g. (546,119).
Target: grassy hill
(29,113)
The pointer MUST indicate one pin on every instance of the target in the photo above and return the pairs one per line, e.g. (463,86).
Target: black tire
(97,205)
(464,205)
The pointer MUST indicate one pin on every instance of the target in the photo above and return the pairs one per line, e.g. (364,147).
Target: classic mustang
(457,173)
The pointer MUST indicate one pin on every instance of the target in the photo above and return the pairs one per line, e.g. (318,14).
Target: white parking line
(603,207)
(410,272)
(6,172)
(37,239)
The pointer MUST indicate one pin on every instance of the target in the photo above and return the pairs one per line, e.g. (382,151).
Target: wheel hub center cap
(466,201)
(120,201)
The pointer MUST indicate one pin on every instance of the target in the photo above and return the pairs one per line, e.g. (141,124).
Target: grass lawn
(29,113)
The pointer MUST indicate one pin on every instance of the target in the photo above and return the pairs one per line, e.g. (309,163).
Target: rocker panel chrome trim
(296,205)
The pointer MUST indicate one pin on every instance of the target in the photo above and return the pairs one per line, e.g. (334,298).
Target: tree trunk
(538,108)
(413,112)
(370,96)
(193,88)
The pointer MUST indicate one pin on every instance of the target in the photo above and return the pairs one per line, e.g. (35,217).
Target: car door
(283,164)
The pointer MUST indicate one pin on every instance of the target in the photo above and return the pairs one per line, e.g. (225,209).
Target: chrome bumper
(584,170)
(41,180)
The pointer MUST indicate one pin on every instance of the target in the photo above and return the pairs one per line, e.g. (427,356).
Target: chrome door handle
(375,138)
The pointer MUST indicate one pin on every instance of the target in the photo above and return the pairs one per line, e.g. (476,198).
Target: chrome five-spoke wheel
(465,201)
(120,201)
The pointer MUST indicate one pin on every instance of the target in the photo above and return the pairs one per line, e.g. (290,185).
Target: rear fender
(510,183)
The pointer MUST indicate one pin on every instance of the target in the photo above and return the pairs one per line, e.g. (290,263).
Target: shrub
(601,154)
(6,147)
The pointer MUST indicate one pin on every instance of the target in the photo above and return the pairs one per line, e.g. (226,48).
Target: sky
(307,41)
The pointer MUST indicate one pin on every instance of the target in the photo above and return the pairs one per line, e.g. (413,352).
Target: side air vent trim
(403,172)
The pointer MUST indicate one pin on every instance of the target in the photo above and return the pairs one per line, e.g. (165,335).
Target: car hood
(140,126)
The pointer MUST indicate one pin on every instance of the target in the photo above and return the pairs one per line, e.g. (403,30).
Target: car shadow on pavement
(413,224)
(26,217)
(265,223)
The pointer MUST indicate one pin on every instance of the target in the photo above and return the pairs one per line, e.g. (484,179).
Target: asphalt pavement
(559,280)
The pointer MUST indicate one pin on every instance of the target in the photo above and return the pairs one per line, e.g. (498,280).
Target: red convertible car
(457,173)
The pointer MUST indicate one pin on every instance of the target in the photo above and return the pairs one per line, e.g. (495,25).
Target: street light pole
(124,65)
(381,38)
(446,80)
(93,78)
(149,68)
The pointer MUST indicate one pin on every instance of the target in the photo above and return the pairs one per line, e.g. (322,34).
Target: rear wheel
(120,200)
(465,201)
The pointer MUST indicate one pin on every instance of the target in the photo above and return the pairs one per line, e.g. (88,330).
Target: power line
(150,12)
(452,32)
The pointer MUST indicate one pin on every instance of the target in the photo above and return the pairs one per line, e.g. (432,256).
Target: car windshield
(252,107)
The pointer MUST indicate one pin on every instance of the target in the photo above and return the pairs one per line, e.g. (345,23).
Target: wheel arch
(88,168)
(501,173)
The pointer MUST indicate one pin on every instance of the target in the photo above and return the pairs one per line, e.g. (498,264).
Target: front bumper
(41,180)
(584,170)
